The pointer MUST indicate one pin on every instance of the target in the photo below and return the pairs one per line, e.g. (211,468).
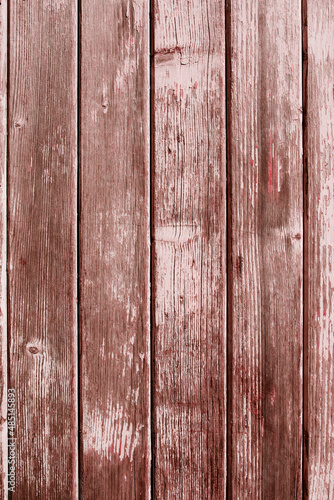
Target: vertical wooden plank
(189,269)
(114,250)
(266,266)
(3,256)
(319,424)
(42,245)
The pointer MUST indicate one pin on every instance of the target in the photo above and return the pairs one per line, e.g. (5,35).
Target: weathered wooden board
(42,171)
(319,299)
(265,208)
(114,250)
(3,256)
(189,266)
(218,431)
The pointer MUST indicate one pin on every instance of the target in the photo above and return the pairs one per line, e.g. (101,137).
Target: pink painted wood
(3,255)
(218,431)
(114,250)
(189,248)
(42,275)
(319,407)
(265,255)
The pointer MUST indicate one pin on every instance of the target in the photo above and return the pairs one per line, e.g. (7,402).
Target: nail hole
(105,105)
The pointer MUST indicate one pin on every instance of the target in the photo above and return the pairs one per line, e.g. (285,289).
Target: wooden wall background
(166,248)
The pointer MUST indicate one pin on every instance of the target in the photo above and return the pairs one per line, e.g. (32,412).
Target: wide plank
(189,249)
(42,277)
(3,250)
(265,268)
(114,239)
(319,240)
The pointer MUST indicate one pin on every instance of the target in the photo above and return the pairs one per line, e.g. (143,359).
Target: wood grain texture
(189,267)
(265,258)
(3,249)
(114,250)
(42,277)
(319,424)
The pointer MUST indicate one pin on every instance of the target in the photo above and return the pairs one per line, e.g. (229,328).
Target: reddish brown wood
(3,255)
(189,270)
(265,266)
(319,424)
(192,454)
(42,245)
(114,250)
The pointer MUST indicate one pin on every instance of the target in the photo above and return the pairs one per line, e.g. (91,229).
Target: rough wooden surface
(3,256)
(42,245)
(189,270)
(319,428)
(265,258)
(79,86)
(114,250)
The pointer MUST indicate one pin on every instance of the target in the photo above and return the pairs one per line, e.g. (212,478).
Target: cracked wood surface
(3,250)
(319,372)
(42,172)
(266,254)
(189,270)
(114,238)
(218,401)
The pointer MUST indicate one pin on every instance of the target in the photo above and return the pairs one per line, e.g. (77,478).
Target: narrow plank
(189,269)
(3,250)
(266,255)
(42,245)
(114,250)
(319,424)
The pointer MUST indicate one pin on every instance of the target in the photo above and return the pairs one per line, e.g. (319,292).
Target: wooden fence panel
(203,310)
(114,250)
(42,171)
(265,209)
(3,249)
(189,248)
(319,144)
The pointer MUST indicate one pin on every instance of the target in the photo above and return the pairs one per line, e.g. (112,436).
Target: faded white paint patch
(176,233)
(111,433)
